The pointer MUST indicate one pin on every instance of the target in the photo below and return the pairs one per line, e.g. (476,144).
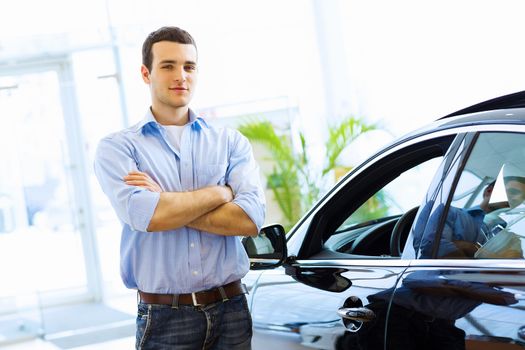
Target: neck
(171,116)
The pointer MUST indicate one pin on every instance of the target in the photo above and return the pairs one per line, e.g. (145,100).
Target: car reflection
(427,305)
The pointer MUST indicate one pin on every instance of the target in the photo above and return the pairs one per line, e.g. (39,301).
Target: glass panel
(368,230)
(40,246)
(397,197)
(423,231)
(97,85)
(485,217)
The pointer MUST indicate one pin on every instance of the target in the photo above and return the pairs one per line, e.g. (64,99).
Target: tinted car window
(379,214)
(397,197)
(325,235)
(485,217)
(423,231)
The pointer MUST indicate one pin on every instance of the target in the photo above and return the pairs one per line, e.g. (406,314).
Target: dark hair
(173,34)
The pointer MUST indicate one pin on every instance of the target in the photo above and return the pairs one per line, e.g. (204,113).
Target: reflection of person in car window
(503,242)
(464,231)
(515,193)
(515,188)
(467,229)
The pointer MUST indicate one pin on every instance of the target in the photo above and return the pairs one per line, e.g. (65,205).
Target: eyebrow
(174,62)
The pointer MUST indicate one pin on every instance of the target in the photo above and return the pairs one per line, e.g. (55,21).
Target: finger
(136,177)
(146,187)
(145,184)
(138,183)
(137,173)
(149,188)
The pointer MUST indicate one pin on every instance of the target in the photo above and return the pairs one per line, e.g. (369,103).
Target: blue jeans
(218,326)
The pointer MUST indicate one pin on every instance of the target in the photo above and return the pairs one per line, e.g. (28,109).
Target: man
(506,223)
(515,190)
(463,232)
(183,191)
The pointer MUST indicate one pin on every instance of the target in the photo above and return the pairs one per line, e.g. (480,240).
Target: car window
(367,231)
(486,214)
(397,197)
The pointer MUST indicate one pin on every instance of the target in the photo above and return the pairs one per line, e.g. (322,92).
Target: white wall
(414,61)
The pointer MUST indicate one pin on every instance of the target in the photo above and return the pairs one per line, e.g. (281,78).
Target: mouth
(178,89)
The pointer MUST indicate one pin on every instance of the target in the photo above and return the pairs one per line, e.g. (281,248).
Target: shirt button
(195,273)
(192,245)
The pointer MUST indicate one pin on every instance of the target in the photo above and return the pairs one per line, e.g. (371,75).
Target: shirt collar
(149,121)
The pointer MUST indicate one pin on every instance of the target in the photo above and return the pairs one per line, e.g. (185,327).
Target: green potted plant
(293,182)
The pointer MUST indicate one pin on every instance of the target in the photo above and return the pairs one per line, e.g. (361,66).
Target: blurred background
(70,74)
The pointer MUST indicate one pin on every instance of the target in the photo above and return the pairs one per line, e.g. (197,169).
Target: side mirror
(268,249)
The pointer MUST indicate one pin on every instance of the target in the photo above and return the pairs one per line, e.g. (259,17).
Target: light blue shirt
(460,224)
(184,260)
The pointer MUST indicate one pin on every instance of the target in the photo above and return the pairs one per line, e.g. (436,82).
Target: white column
(330,40)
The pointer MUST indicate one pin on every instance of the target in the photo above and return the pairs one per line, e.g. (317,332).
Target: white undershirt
(174,133)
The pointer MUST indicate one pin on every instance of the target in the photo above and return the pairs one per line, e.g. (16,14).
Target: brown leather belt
(201,298)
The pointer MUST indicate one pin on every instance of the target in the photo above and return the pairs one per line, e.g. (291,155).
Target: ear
(144,72)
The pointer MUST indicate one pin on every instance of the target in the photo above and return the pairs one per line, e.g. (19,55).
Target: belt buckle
(194,299)
(224,296)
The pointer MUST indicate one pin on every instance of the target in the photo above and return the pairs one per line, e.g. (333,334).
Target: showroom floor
(90,326)
(119,344)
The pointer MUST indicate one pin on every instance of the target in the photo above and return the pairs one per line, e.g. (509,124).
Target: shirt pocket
(212,174)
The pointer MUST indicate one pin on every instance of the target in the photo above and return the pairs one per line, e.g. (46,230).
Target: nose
(180,75)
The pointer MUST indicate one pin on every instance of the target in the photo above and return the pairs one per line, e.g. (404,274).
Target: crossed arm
(208,209)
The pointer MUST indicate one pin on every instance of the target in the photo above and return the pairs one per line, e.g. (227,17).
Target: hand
(466,247)
(140,179)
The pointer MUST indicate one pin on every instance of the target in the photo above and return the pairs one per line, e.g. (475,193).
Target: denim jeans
(218,326)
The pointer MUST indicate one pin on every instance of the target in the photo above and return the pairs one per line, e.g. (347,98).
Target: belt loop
(175,301)
(224,296)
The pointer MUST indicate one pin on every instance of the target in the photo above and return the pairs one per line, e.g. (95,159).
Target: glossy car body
(390,258)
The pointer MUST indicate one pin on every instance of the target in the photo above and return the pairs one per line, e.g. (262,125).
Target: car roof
(510,101)
(508,109)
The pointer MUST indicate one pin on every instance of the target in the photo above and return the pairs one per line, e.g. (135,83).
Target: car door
(465,290)
(340,253)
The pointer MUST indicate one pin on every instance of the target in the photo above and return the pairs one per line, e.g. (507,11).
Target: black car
(419,247)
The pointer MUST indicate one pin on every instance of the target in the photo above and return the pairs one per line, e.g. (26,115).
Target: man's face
(515,193)
(173,75)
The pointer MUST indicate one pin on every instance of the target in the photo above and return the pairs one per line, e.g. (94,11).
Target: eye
(167,66)
(190,68)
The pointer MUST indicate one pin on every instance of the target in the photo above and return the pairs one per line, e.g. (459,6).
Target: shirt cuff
(142,205)
(254,212)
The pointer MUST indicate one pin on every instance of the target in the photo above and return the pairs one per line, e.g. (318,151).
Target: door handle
(360,314)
